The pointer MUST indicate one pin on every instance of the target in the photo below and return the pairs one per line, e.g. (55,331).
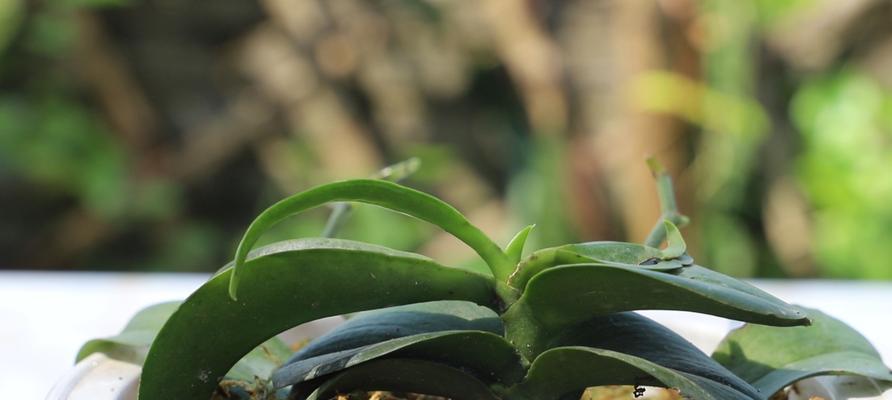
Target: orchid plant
(544,326)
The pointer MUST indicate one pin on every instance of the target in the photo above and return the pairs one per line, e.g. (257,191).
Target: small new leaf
(675,245)
(514,251)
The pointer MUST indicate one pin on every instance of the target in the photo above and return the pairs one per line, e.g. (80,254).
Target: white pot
(98,377)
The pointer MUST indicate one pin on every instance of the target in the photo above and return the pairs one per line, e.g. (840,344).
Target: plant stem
(524,331)
(394,173)
(668,207)
(338,215)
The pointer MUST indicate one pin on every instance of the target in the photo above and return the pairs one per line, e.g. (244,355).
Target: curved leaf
(414,376)
(288,284)
(574,293)
(393,322)
(563,296)
(132,344)
(638,336)
(565,371)
(486,354)
(394,173)
(382,193)
(772,358)
(675,245)
(606,253)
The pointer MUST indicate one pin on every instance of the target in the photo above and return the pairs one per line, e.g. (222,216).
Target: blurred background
(145,135)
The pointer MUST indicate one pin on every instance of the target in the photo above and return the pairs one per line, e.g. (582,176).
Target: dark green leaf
(772,358)
(379,325)
(575,293)
(415,376)
(564,371)
(132,344)
(287,284)
(382,193)
(489,356)
(638,336)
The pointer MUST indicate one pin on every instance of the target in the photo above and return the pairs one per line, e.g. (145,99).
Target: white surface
(98,377)
(45,317)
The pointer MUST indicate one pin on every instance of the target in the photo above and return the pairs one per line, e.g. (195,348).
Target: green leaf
(394,173)
(393,322)
(606,253)
(565,371)
(415,376)
(287,284)
(382,193)
(636,335)
(474,340)
(570,294)
(575,293)
(675,245)
(132,344)
(772,358)
(489,356)
(514,251)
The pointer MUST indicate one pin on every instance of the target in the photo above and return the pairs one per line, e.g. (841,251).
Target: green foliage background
(145,135)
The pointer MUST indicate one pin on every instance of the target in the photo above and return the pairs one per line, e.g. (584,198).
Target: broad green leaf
(382,193)
(285,285)
(566,371)
(489,356)
(606,253)
(772,358)
(638,336)
(393,322)
(132,344)
(574,293)
(571,294)
(415,376)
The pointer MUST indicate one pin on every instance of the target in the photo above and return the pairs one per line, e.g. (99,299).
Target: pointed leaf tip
(514,251)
